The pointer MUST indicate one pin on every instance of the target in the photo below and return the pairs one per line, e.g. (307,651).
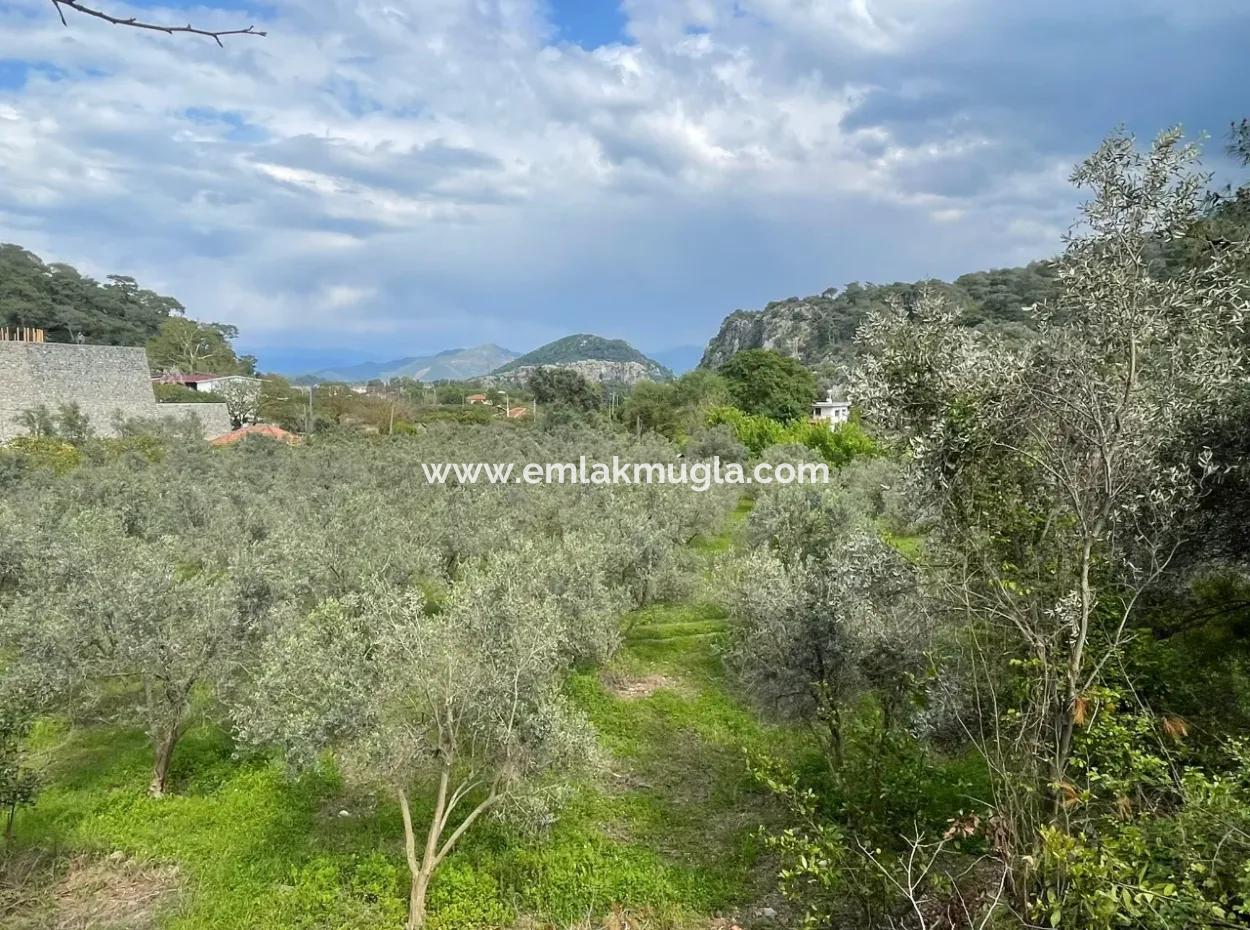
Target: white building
(209,384)
(831,411)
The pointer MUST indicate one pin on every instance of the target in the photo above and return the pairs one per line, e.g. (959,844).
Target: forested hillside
(580,347)
(597,359)
(820,330)
(67,304)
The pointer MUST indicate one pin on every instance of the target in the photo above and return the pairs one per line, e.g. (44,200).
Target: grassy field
(664,837)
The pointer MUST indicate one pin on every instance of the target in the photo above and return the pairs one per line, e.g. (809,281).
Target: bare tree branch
(215,35)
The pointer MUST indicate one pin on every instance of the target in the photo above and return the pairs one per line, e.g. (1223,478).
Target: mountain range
(595,357)
(449,365)
(818,330)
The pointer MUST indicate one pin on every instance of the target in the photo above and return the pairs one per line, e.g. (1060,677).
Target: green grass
(668,833)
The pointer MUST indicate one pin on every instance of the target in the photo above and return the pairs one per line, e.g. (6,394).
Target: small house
(831,411)
(209,384)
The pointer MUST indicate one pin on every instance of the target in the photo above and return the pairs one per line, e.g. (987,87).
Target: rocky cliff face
(816,330)
(820,331)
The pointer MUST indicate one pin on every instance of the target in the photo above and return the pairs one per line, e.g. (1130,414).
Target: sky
(380,178)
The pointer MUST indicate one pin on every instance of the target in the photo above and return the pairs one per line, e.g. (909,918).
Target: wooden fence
(21,334)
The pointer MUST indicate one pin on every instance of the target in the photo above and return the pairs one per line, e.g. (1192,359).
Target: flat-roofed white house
(831,411)
(209,384)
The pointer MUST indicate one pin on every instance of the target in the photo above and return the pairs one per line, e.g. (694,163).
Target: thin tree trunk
(414,864)
(421,870)
(416,901)
(8,824)
(834,724)
(160,764)
(1065,711)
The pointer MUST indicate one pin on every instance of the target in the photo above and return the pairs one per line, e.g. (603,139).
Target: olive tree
(459,700)
(813,633)
(800,521)
(100,607)
(18,780)
(1059,470)
(242,399)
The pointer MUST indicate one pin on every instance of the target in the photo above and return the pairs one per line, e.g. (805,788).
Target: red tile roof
(267,430)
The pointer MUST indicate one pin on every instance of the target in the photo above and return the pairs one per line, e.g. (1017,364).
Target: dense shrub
(837,445)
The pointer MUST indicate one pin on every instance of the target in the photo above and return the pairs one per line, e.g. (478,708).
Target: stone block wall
(102,380)
(214,420)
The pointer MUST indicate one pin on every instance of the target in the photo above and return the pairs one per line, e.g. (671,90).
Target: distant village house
(831,411)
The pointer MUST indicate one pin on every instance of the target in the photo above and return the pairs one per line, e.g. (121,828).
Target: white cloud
(446,171)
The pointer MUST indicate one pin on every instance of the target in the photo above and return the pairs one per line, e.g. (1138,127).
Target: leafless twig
(215,35)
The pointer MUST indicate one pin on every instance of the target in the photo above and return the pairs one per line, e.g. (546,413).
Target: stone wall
(214,420)
(102,380)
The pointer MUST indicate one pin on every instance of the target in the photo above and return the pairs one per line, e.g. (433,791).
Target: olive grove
(327,599)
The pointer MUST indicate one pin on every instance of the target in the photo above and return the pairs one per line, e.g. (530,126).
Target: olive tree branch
(215,35)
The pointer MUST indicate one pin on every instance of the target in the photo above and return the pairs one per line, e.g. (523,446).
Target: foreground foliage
(1026,610)
(325,599)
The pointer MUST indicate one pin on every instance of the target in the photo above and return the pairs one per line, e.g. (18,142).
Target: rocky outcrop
(596,359)
(816,330)
(820,330)
(596,371)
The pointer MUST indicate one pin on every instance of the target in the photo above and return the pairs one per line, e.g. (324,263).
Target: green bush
(1146,842)
(836,445)
(56,455)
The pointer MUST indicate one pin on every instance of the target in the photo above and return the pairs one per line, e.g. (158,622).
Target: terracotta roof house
(268,430)
(475,399)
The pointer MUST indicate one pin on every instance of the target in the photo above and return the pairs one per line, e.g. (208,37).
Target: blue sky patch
(589,23)
(14,74)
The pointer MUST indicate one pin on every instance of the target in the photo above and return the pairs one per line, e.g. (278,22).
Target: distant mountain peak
(595,357)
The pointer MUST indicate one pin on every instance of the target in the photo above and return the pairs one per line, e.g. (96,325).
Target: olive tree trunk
(421,868)
(162,756)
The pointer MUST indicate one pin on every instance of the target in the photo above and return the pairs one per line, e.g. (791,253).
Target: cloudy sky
(398,176)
